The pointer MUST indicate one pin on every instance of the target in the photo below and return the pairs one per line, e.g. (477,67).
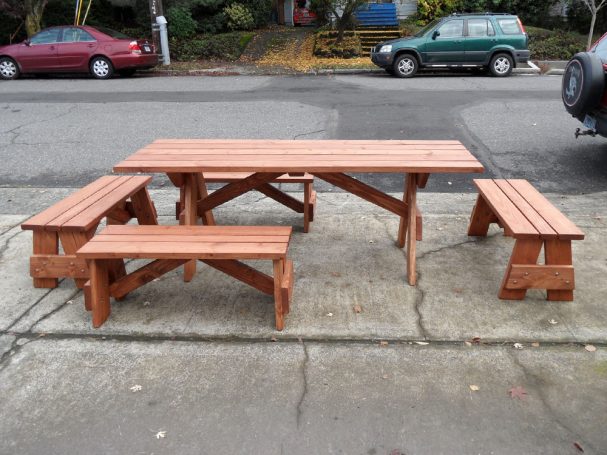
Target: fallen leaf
(422,343)
(518,392)
(385,376)
(69,302)
(358,309)
(161,434)
(383,343)
(335,274)
(535,344)
(578,446)
(474,388)
(553,322)
(458,290)
(590,348)
(476,340)
(330,315)
(146,303)
(273,339)
(518,346)
(136,388)
(467,343)
(371,241)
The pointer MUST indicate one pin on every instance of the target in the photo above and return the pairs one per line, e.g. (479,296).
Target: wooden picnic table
(184,161)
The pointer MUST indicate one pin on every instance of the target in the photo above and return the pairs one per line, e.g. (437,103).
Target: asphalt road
(65,132)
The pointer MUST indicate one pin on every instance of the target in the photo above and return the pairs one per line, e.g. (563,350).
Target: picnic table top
(314,156)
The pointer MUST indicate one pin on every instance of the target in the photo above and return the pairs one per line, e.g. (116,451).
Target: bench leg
(558,252)
(279,265)
(190,218)
(46,243)
(482,216)
(72,242)
(100,291)
(404,220)
(207,217)
(525,252)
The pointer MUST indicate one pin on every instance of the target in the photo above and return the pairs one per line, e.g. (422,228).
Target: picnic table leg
(46,243)
(412,227)
(99,291)
(307,214)
(207,217)
(190,217)
(525,252)
(558,252)
(404,220)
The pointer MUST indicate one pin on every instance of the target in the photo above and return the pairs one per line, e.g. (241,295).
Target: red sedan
(70,49)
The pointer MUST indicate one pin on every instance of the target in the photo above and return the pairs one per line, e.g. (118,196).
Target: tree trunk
(591,32)
(33,16)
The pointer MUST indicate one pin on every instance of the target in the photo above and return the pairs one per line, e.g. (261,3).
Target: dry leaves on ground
(474,388)
(590,348)
(518,392)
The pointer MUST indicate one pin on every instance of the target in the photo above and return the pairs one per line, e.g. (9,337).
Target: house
(286,8)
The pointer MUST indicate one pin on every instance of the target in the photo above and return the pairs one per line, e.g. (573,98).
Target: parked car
(493,41)
(583,89)
(99,51)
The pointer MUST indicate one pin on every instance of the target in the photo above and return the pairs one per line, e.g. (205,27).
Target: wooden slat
(307,157)
(91,211)
(542,227)
(564,227)
(174,250)
(311,166)
(60,207)
(227,177)
(193,238)
(325,152)
(268,142)
(45,243)
(193,230)
(510,216)
(279,196)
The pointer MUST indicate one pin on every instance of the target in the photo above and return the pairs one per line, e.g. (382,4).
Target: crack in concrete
(308,134)
(54,310)
(536,383)
(4,247)
(304,391)
(16,134)
(421,295)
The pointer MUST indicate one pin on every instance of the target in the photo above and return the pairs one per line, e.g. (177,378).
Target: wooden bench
(307,207)
(172,246)
(534,222)
(74,221)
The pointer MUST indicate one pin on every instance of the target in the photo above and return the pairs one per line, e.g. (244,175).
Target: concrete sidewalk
(392,379)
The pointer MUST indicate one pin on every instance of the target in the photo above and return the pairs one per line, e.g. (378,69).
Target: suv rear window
(510,26)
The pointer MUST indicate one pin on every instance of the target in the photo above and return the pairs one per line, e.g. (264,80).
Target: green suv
(490,40)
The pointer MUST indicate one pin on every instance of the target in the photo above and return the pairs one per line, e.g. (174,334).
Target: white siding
(405,8)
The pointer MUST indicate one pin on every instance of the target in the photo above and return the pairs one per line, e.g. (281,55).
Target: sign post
(155,11)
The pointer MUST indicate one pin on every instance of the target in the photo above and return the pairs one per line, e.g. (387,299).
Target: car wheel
(501,65)
(405,66)
(8,69)
(101,68)
(583,84)
(127,73)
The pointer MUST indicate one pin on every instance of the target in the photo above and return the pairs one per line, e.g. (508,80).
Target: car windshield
(427,28)
(112,33)
(601,49)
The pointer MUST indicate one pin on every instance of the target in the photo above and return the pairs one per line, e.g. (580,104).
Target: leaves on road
(358,309)
(161,434)
(590,348)
(578,446)
(518,346)
(474,387)
(518,392)
(136,388)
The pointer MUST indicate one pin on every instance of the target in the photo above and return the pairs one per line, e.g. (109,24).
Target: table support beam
(365,192)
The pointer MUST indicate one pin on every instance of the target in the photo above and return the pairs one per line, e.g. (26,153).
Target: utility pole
(155,11)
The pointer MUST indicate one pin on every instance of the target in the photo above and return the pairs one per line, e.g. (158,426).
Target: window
(480,27)
(452,29)
(112,33)
(49,36)
(510,26)
(74,35)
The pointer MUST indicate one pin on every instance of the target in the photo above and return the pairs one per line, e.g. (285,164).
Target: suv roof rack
(483,14)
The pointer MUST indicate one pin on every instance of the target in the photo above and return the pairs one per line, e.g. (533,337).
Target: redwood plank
(144,207)
(228,177)
(190,217)
(365,192)
(207,217)
(308,207)
(197,230)
(143,275)
(404,219)
(564,227)
(283,198)
(558,252)
(553,277)
(510,216)
(100,292)
(412,226)
(45,243)
(279,310)
(525,252)
(244,273)
(192,238)
(55,266)
(482,217)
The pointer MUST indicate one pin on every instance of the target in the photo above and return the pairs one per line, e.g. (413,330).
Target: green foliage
(428,10)
(225,46)
(349,47)
(239,17)
(554,45)
(180,22)
(260,9)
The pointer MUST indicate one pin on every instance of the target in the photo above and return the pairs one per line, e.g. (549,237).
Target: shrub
(349,47)
(239,17)
(180,22)
(428,10)
(548,45)
(261,10)
(225,46)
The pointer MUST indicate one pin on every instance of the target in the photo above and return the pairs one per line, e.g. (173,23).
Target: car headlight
(386,48)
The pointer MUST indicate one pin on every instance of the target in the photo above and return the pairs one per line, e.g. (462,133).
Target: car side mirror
(435,34)
(27,42)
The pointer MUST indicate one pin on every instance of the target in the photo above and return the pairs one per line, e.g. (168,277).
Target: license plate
(146,48)
(590,122)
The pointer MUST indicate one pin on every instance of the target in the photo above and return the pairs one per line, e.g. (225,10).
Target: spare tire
(583,84)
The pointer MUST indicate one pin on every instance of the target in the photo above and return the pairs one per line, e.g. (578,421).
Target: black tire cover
(583,84)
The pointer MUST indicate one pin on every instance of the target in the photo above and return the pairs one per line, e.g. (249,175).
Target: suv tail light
(134,47)
(521,25)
